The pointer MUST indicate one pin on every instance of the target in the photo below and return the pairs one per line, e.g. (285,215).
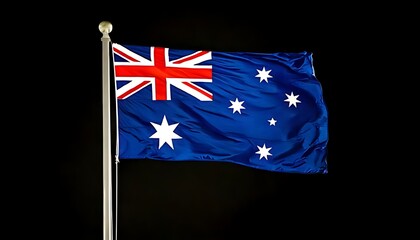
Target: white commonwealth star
(263,74)
(272,121)
(264,152)
(237,106)
(165,132)
(292,99)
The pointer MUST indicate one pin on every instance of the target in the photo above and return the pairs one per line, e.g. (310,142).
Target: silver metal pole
(106,27)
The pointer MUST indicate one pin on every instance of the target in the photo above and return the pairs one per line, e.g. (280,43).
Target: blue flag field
(260,110)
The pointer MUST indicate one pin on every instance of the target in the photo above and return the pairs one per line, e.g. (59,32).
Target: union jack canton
(161,73)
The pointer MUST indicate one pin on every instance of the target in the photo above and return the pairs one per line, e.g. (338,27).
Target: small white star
(272,122)
(264,152)
(263,74)
(237,106)
(165,132)
(292,99)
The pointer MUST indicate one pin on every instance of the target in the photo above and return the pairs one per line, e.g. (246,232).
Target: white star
(272,121)
(165,132)
(264,152)
(237,106)
(292,99)
(263,74)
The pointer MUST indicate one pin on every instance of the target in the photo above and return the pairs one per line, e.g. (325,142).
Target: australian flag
(260,110)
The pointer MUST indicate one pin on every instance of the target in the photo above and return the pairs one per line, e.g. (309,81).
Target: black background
(61,196)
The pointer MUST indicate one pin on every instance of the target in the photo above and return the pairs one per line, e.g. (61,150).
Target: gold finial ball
(105,27)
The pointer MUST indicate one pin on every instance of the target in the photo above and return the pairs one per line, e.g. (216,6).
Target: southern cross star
(263,74)
(264,152)
(292,99)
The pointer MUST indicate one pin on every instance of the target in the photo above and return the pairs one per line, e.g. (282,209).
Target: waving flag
(260,110)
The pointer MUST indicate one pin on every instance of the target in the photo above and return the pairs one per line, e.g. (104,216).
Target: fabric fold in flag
(260,110)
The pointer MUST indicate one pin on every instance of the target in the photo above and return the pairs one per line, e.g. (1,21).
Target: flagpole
(106,27)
